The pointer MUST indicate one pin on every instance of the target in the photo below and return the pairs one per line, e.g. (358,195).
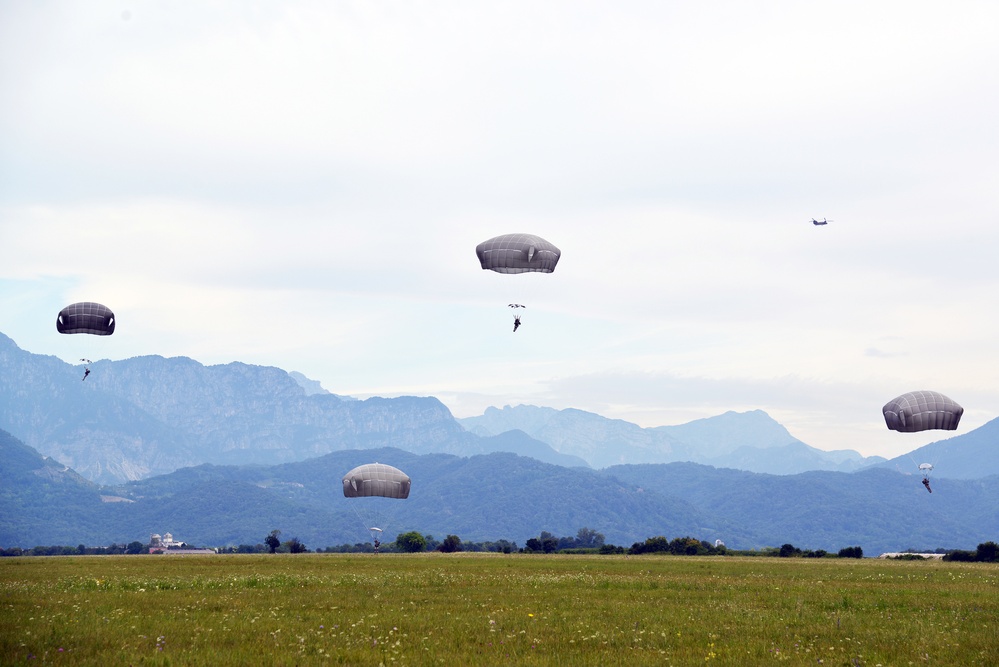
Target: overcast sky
(303,184)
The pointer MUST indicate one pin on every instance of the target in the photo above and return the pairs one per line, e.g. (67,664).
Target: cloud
(333,165)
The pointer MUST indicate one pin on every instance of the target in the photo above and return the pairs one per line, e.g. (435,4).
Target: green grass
(494,609)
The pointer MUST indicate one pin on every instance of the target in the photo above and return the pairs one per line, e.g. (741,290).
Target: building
(165,544)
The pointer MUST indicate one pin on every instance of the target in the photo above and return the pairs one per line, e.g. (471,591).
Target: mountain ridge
(150,415)
(488,497)
(750,440)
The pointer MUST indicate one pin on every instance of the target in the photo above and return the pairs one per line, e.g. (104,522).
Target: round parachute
(376,479)
(518,253)
(922,411)
(86,317)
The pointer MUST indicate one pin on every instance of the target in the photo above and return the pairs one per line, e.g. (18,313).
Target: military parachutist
(926,483)
(86,368)
(516,323)
(86,372)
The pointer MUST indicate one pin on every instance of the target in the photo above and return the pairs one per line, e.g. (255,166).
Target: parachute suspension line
(364,522)
(374,532)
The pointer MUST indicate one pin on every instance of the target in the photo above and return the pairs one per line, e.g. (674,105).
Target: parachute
(86,317)
(518,253)
(921,411)
(376,479)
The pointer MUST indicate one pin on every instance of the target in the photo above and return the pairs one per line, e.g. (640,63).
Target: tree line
(586,540)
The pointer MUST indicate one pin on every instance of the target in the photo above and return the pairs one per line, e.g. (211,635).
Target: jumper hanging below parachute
(518,254)
(86,317)
(922,411)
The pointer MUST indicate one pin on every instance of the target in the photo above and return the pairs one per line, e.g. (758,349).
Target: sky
(303,184)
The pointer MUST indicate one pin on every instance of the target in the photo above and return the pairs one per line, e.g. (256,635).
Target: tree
(295,546)
(652,545)
(505,546)
(851,552)
(788,550)
(987,552)
(272,541)
(588,539)
(688,546)
(411,542)
(450,544)
(135,547)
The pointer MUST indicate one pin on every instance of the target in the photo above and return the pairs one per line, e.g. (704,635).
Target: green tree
(411,542)
(588,539)
(295,546)
(272,541)
(788,550)
(987,552)
(135,547)
(652,545)
(450,544)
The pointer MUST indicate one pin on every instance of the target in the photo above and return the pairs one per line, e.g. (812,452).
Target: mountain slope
(881,510)
(749,440)
(151,415)
(967,456)
(494,496)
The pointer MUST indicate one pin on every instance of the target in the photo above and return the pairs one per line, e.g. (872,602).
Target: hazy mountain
(313,387)
(150,415)
(878,509)
(967,456)
(490,497)
(749,441)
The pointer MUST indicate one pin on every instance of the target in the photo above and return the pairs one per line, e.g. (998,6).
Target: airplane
(823,221)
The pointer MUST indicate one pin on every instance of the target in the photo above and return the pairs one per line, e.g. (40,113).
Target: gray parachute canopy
(86,317)
(518,253)
(376,479)
(921,411)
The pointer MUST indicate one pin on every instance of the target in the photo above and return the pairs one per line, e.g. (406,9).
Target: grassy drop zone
(493,609)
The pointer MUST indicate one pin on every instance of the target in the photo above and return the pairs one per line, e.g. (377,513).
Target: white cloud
(334,165)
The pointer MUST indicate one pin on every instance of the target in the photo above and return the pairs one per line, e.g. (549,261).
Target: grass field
(494,609)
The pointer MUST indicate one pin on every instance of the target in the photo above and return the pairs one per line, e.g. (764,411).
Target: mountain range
(748,441)
(223,454)
(150,415)
(488,497)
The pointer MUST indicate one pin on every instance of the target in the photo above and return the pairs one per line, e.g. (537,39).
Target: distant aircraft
(823,221)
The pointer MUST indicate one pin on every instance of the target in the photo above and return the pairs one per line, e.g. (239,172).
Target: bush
(411,542)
